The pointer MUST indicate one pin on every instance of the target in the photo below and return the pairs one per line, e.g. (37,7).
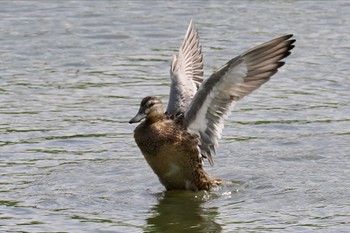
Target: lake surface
(72,74)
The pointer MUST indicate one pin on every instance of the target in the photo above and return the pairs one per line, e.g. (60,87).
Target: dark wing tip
(280,64)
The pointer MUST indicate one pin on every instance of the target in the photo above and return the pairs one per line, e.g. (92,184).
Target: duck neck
(155,117)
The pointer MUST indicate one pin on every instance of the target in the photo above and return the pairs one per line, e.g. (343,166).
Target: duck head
(151,108)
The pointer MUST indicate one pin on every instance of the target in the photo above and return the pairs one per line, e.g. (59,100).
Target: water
(72,74)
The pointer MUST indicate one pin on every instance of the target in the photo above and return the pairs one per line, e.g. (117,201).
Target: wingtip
(192,26)
(288,37)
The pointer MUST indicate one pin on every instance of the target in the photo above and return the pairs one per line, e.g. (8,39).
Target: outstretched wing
(186,72)
(230,83)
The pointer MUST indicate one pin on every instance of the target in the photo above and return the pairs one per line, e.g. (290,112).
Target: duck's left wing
(186,72)
(230,83)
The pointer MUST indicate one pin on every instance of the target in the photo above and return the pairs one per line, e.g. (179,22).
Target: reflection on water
(179,211)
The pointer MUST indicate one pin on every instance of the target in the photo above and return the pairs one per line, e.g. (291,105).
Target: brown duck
(176,142)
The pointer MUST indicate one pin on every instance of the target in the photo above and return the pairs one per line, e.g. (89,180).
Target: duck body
(176,142)
(171,151)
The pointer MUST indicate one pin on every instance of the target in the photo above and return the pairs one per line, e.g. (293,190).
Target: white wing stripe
(209,119)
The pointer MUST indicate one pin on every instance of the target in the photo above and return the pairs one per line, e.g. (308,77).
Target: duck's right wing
(186,72)
(230,83)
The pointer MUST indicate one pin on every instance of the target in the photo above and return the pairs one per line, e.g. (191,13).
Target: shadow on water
(183,211)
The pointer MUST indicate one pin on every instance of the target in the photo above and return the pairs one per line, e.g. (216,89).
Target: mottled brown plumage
(170,150)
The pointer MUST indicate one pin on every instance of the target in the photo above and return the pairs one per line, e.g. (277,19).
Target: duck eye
(150,104)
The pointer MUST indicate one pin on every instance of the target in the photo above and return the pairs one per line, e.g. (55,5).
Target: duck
(177,141)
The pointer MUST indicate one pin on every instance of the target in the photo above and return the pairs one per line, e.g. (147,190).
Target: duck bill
(139,116)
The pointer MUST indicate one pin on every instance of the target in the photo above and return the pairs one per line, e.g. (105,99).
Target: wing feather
(186,72)
(237,78)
